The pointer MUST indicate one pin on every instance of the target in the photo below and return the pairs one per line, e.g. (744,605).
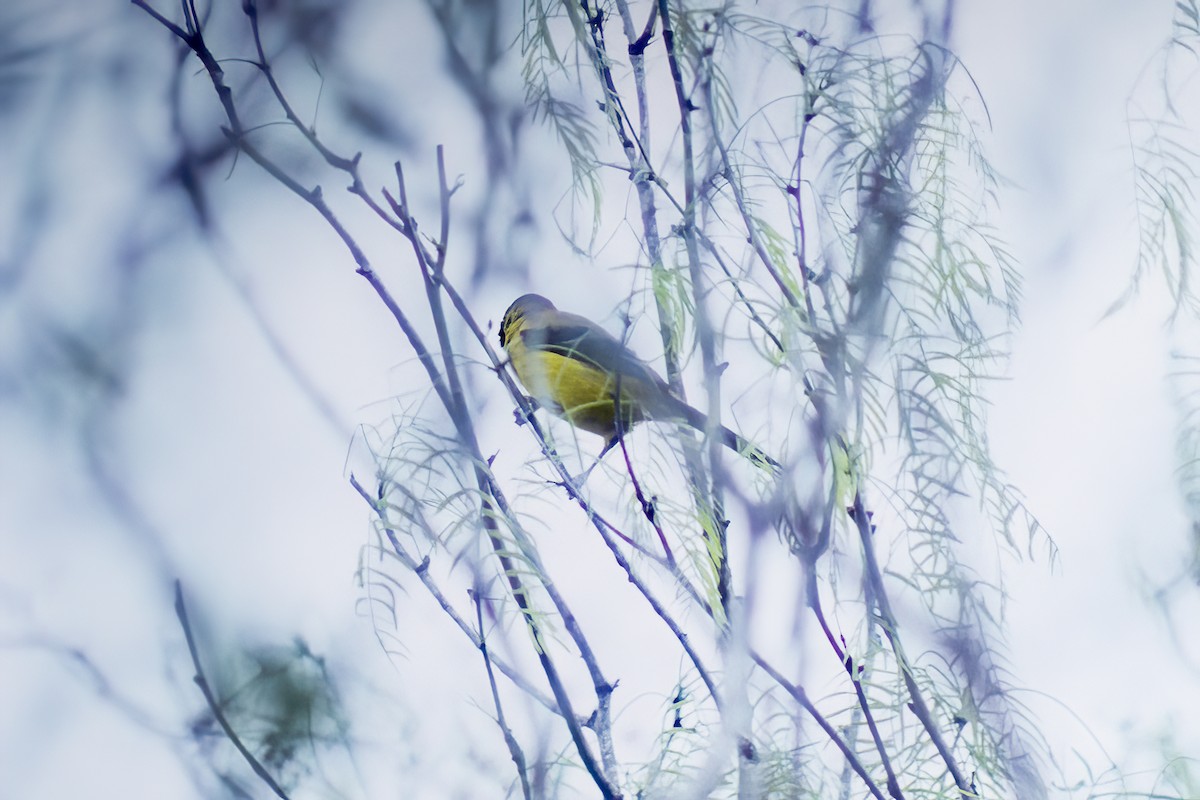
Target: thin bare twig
(514,747)
(710,501)
(421,570)
(854,671)
(917,702)
(800,696)
(213,704)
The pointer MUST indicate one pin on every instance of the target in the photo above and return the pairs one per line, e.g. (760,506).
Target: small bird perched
(575,368)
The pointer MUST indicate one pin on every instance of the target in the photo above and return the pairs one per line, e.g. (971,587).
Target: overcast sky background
(190,451)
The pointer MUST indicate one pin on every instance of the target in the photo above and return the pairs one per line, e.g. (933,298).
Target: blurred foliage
(284,706)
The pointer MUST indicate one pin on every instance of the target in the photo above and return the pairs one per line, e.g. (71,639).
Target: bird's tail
(728,438)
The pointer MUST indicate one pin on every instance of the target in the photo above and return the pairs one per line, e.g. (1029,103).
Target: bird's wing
(585,342)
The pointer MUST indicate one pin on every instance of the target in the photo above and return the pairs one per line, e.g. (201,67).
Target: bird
(576,369)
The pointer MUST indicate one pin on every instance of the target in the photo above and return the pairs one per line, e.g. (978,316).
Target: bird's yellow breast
(575,390)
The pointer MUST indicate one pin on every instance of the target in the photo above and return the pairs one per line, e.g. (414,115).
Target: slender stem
(213,704)
(855,673)
(264,66)
(421,570)
(514,747)
(800,696)
(708,494)
(890,626)
(647,506)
